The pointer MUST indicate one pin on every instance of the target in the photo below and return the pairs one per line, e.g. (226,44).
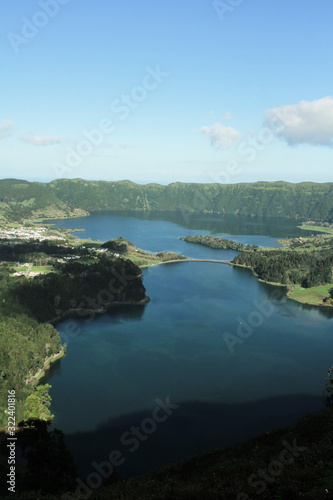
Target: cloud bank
(309,122)
(221,137)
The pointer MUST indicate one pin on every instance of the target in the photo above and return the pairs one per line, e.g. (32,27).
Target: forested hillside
(24,345)
(306,262)
(66,198)
(88,285)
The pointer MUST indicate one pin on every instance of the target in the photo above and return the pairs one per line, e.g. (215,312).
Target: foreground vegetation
(291,463)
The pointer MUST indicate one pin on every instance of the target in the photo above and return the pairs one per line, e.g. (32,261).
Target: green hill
(71,197)
(21,199)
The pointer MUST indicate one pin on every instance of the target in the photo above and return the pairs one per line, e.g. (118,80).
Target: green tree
(328,397)
(49,465)
(37,404)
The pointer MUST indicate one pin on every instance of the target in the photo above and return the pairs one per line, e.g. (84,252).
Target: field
(142,260)
(42,269)
(313,296)
(322,229)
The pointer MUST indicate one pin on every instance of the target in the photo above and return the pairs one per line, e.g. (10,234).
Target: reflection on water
(232,224)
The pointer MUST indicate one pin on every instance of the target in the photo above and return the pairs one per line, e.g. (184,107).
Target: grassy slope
(313,296)
(322,229)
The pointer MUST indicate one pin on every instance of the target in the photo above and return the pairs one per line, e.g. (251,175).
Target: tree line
(308,269)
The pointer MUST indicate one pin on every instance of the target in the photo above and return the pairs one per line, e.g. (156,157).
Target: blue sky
(165,91)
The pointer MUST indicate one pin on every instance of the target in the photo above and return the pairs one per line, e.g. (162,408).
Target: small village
(29,233)
(41,234)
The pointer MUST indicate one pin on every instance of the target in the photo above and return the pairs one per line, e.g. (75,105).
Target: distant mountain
(21,199)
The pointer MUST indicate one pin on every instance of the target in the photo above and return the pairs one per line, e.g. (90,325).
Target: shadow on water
(131,312)
(192,428)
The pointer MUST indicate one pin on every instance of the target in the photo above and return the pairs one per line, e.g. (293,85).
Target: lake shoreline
(185,325)
(289,289)
(79,313)
(46,365)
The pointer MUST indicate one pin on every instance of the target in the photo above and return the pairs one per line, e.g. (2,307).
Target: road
(193,260)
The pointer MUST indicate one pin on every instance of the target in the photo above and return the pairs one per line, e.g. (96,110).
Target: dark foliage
(117,245)
(82,286)
(218,243)
(306,268)
(44,463)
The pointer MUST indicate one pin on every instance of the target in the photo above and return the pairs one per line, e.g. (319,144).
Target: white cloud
(37,140)
(6,127)
(221,137)
(309,122)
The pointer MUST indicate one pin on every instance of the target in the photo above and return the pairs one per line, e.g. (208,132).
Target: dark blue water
(234,354)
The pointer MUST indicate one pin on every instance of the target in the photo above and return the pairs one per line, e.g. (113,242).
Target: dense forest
(308,269)
(24,345)
(42,253)
(21,199)
(219,243)
(81,287)
(28,306)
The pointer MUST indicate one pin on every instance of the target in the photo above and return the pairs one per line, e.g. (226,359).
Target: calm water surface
(176,347)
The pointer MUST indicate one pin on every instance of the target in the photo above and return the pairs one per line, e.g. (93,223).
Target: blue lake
(182,347)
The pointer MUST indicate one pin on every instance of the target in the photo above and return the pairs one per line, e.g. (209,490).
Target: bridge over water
(194,260)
